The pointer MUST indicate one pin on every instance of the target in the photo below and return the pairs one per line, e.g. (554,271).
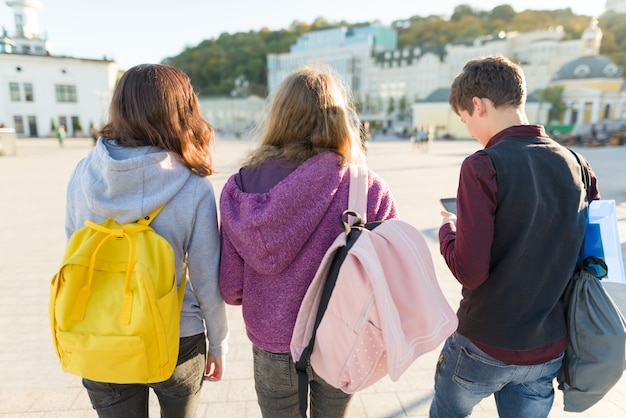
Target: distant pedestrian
(420,137)
(61,134)
(427,138)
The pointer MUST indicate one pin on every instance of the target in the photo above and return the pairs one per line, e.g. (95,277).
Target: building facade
(378,70)
(348,50)
(40,91)
(387,81)
(234,115)
(594,92)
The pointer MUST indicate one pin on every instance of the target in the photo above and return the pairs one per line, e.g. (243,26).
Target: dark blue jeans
(276,383)
(178,396)
(465,375)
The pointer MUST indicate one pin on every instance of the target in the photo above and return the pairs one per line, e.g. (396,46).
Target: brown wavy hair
(492,77)
(156,105)
(310,112)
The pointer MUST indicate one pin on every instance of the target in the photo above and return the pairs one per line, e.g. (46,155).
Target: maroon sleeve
(594,193)
(467,247)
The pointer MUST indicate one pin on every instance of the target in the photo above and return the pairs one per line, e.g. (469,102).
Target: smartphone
(449,204)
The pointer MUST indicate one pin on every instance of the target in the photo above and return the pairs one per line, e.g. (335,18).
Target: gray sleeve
(204,258)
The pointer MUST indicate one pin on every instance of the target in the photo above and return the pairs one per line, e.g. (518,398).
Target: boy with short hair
(521,220)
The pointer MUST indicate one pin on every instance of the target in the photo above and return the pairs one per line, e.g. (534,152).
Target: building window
(19,25)
(14,88)
(32,126)
(611,70)
(28,92)
(18,122)
(66,93)
(582,71)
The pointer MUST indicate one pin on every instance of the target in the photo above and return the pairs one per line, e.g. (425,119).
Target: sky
(147,31)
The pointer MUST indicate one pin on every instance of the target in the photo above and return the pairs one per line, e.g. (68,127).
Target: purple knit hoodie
(272,243)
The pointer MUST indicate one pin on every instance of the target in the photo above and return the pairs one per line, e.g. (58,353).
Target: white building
(232,114)
(348,50)
(381,75)
(617,6)
(40,91)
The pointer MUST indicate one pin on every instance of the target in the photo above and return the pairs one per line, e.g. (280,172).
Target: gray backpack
(596,353)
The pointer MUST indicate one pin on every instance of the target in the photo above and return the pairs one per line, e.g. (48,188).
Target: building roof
(589,67)
(441,94)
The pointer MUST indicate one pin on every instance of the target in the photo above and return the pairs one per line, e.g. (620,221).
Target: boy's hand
(448,217)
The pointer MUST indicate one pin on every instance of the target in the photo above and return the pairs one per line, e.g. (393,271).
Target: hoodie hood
(127,183)
(268,230)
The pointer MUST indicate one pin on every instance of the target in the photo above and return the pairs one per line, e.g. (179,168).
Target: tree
(554,96)
(461,11)
(358,105)
(503,13)
(391,106)
(402,107)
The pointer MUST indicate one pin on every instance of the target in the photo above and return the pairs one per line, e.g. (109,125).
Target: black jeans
(178,396)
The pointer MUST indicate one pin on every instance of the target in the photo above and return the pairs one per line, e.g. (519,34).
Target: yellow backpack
(114,304)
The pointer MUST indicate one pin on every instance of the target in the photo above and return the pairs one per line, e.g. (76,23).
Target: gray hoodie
(128,183)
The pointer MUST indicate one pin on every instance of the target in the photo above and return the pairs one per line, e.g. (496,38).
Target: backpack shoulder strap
(357,198)
(181,289)
(357,202)
(149,218)
(586,177)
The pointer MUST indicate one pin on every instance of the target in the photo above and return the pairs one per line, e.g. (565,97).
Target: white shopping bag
(602,239)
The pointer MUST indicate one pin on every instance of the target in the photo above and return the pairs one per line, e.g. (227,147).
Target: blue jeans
(276,383)
(465,375)
(178,396)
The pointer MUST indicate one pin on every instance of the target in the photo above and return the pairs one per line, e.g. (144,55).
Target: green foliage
(503,13)
(215,64)
(466,23)
(391,106)
(402,107)
(613,27)
(554,96)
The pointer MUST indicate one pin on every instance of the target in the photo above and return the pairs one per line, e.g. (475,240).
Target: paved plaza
(32,202)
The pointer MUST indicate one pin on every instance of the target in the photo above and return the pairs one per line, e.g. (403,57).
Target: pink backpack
(374,305)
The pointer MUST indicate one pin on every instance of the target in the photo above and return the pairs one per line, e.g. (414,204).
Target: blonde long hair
(311,112)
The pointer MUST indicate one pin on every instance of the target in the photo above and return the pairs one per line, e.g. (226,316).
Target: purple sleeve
(380,202)
(231,273)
